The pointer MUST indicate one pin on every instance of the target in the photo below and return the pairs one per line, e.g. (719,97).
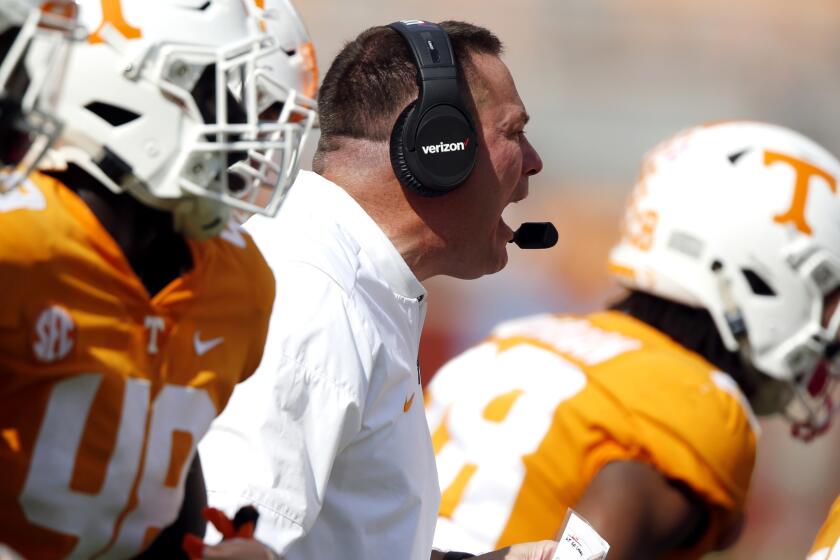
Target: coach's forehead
(492,86)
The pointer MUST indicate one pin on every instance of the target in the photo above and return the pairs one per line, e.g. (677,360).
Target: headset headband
(437,76)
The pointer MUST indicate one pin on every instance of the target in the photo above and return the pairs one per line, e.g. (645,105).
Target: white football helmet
(170,101)
(28,88)
(743,219)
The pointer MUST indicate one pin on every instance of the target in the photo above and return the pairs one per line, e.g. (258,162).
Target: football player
(642,417)
(827,544)
(28,124)
(132,303)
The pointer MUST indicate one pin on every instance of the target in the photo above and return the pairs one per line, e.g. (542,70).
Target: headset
(433,142)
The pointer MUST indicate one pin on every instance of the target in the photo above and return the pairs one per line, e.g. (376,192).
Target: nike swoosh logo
(408,402)
(204,346)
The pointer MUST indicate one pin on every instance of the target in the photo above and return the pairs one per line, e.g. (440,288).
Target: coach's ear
(641,513)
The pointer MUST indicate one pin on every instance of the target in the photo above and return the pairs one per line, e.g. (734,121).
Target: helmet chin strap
(770,395)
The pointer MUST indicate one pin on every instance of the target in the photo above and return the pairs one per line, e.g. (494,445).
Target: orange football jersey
(523,422)
(104,391)
(827,544)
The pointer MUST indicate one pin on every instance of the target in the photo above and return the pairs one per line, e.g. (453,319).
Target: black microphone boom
(535,235)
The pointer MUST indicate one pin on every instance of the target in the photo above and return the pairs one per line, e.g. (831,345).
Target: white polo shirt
(329,438)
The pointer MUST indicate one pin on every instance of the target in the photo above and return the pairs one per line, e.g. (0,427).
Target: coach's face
(505,161)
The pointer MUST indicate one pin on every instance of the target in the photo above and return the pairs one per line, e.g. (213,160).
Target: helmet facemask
(241,157)
(268,173)
(815,388)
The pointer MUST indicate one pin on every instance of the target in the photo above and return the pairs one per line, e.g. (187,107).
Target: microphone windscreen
(535,235)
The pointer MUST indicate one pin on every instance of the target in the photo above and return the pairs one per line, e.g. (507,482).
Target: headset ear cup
(399,163)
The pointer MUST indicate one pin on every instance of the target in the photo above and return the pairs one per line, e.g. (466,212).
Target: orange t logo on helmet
(804,172)
(112,14)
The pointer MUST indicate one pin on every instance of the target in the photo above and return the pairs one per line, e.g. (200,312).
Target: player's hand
(238,535)
(540,550)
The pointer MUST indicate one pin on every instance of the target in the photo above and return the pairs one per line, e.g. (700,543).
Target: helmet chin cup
(771,396)
(200,218)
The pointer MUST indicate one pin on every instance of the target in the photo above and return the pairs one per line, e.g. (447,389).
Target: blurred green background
(604,81)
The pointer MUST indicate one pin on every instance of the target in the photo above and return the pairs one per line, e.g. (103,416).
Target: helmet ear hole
(113,115)
(757,284)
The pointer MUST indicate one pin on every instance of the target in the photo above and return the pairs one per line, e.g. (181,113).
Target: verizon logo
(446,147)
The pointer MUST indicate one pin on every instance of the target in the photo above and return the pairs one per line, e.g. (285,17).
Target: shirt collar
(372,240)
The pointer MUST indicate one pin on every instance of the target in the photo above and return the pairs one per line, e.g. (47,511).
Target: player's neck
(146,236)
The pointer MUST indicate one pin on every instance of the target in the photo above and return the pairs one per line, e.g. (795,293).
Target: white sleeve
(275,444)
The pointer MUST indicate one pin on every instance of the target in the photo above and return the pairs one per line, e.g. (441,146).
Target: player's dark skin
(156,252)
(189,520)
(643,514)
